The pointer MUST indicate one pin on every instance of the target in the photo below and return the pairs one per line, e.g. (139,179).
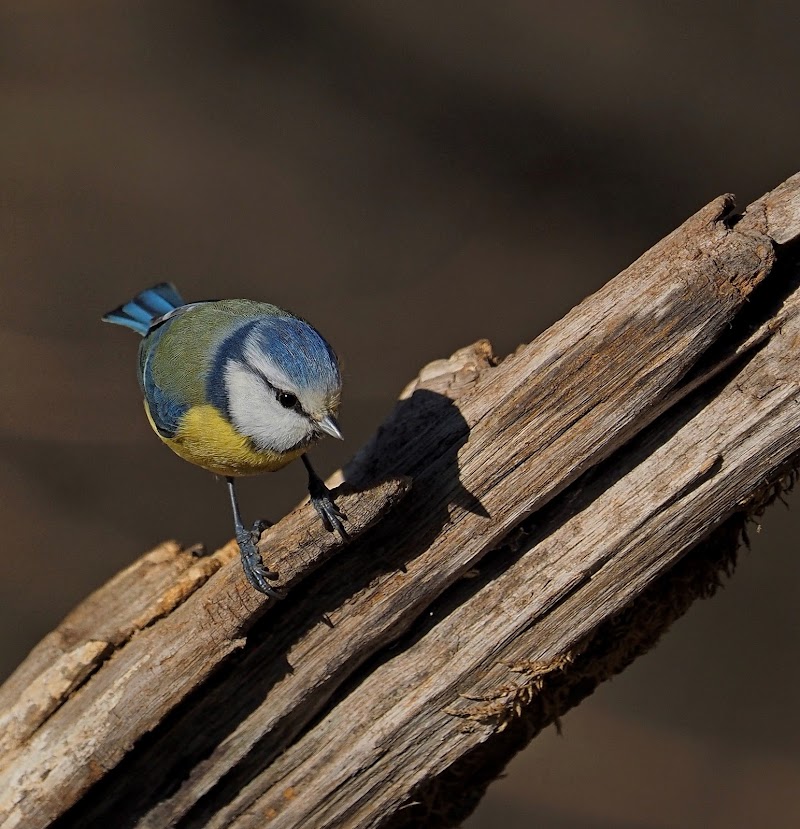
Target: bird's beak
(329,425)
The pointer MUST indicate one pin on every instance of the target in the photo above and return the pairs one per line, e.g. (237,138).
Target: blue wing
(166,410)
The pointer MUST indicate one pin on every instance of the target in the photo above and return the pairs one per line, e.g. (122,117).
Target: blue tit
(236,387)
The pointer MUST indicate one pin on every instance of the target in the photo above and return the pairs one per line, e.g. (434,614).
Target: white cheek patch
(256,413)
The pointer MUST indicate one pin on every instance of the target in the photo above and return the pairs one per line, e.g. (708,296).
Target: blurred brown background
(410,177)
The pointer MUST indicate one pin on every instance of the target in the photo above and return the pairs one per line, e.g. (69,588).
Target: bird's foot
(253,565)
(326,508)
(259,526)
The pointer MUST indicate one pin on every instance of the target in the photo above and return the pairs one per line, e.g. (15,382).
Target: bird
(237,387)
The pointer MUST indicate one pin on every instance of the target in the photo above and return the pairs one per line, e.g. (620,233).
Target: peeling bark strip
(504,539)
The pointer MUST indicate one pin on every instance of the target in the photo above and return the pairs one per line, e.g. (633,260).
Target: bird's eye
(287,399)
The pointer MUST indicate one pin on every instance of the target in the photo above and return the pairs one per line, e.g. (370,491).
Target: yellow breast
(206,439)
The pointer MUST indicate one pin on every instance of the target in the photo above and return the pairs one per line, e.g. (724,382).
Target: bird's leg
(252,563)
(323,502)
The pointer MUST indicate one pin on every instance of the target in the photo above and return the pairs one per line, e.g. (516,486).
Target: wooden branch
(518,529)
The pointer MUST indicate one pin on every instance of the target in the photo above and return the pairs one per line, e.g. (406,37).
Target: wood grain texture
(541,496)
(92,730)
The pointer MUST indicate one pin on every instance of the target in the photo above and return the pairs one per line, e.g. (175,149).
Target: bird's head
(281,383)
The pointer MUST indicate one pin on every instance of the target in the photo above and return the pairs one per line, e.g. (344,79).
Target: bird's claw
(259,526)
(254,568)
(327,510)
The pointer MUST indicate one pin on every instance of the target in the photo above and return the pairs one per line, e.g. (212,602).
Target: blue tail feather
(146,308)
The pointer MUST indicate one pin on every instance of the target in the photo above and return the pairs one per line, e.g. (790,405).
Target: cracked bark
(522,529)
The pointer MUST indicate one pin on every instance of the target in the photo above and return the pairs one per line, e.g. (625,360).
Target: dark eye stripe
(291,399)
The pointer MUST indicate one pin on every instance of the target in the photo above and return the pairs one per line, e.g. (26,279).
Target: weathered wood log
(522,530)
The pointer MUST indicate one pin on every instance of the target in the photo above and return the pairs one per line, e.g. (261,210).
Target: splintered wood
(502,515)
